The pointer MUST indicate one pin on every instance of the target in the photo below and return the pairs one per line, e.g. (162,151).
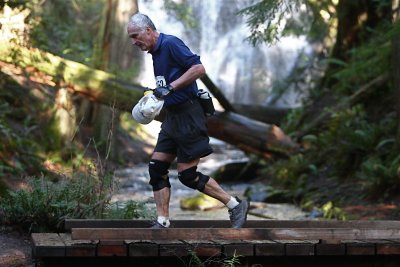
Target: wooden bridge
(214,243)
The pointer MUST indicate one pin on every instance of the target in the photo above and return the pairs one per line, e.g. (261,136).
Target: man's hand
(162,92)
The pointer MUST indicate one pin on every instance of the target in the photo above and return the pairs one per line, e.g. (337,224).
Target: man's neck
(155,41)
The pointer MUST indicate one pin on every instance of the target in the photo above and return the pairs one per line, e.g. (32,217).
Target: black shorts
(184,132)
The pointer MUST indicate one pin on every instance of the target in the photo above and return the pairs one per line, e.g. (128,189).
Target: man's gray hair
(142,21)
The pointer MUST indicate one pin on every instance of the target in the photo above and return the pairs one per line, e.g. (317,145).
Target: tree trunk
(112,52)
(65,115)
(396,63)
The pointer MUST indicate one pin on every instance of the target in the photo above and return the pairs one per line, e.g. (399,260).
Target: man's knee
(158,171)
(193,179)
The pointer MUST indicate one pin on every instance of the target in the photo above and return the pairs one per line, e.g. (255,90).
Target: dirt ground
(15,249)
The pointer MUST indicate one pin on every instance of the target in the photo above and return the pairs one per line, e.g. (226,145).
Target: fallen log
(267,114)
(249,135)
(94,84)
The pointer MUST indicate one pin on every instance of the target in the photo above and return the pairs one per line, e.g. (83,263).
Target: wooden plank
(100,223)
(47,245)
(233,234)
(299,247)
(268,248)
(108,248)
(173,249)
(359,248)
(78,248)
(204,248)
(387,247)
(142,248)
(330,249)
(238,248)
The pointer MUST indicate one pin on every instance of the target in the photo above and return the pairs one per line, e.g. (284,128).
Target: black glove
(162,92)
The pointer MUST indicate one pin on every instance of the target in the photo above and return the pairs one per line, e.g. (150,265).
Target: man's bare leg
(162,197)
(237,208)
(212,188)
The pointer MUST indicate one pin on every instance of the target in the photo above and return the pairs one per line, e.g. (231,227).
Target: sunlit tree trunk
(113,53)
(65,114)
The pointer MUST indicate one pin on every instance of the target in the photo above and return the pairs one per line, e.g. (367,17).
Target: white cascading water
(245,74)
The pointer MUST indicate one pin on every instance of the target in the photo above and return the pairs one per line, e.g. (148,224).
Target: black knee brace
(158,171)
(193,179)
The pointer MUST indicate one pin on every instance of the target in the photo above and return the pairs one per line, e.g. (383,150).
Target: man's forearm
(191,75)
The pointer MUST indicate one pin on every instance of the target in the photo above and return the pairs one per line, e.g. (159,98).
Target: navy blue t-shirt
(171,59)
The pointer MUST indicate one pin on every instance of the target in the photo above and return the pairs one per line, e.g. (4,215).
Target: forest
(69,78)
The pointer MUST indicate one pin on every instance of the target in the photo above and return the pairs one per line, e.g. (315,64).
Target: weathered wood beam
(128,223)
(330,234)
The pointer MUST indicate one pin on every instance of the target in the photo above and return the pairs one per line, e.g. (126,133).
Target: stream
(133,185)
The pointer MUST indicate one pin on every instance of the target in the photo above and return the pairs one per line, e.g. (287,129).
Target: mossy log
(245,133)
(96,85)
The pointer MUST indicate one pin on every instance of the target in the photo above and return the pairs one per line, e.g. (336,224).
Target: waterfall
(245,74)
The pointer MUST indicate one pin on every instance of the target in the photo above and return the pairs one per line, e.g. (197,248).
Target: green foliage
(129,210)
(356,144)
(290,122)
(269,20)
(354,137)
(17,150)
(29,146)
(381,175)
(233,261)
(367,61)
(331,212)
(66,28)
(194,260)
(291,177)
(264,19)
(44,205)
